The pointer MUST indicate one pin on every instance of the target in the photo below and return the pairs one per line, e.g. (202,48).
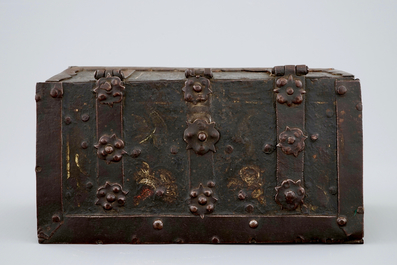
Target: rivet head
(268,148)
(215,239)
(158,225)
(359,106)
(253,224)
(37,97)
(229,149)
(210,208)
(314,137)
(54,92)
(241,195)
(109,149)
(211,184)
(333,190)
(136,152)
(360,210)
(291,140)
(174,150)
(85,117)
(290,91)
(159,192)
(202,136)
(68,120)
(193,209)
(342,221)
(197,88)
(84,145)
(202,200)
(56,218)
(341,90)
(38,169)
(110,198)
(88,185)
(249,208)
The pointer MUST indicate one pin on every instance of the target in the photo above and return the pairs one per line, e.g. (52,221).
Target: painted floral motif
(111,196)
(201,136)
(202,200)
(158,184)
(290,194)
(110,148)
(109,90)
(289,91)
(292,141)
(197,89)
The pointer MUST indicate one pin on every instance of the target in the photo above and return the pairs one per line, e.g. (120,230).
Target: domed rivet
(359,106)
(84,145)
(210,184)
(110,198)
(341,90)
(253,224)
(174,150)
(158,225)
(56,218)
(249,208)
(215,239)
(241,195)
(202,137)
(136,153)
(68,120)
(342,221)
(37,97)
(88,185)
(268,148)
(85,117)
(202,200)
(159,192)
(333,190)
(38,169)
(193,209)
(314,137)
(109,149)
(229,149)
(54,92)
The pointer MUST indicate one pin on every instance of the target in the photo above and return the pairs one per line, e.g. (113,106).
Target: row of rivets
(158,225)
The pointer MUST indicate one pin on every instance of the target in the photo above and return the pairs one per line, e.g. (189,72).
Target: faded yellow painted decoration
(76,160)
(249,177)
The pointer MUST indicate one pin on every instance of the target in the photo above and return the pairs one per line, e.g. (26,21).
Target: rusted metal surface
(173,155)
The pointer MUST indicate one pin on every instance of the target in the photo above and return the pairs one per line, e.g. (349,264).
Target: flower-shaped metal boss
(289,91)
(202,201)
(201,136)
(197,89)
(111,196)
(290,194)
(110,148)
(109,89)
(292,141)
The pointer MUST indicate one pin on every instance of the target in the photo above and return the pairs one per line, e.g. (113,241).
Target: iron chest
(170,155)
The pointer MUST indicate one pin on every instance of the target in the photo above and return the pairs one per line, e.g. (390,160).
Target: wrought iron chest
(170,155)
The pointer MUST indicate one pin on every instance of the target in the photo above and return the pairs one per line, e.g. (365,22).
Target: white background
(39,39)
